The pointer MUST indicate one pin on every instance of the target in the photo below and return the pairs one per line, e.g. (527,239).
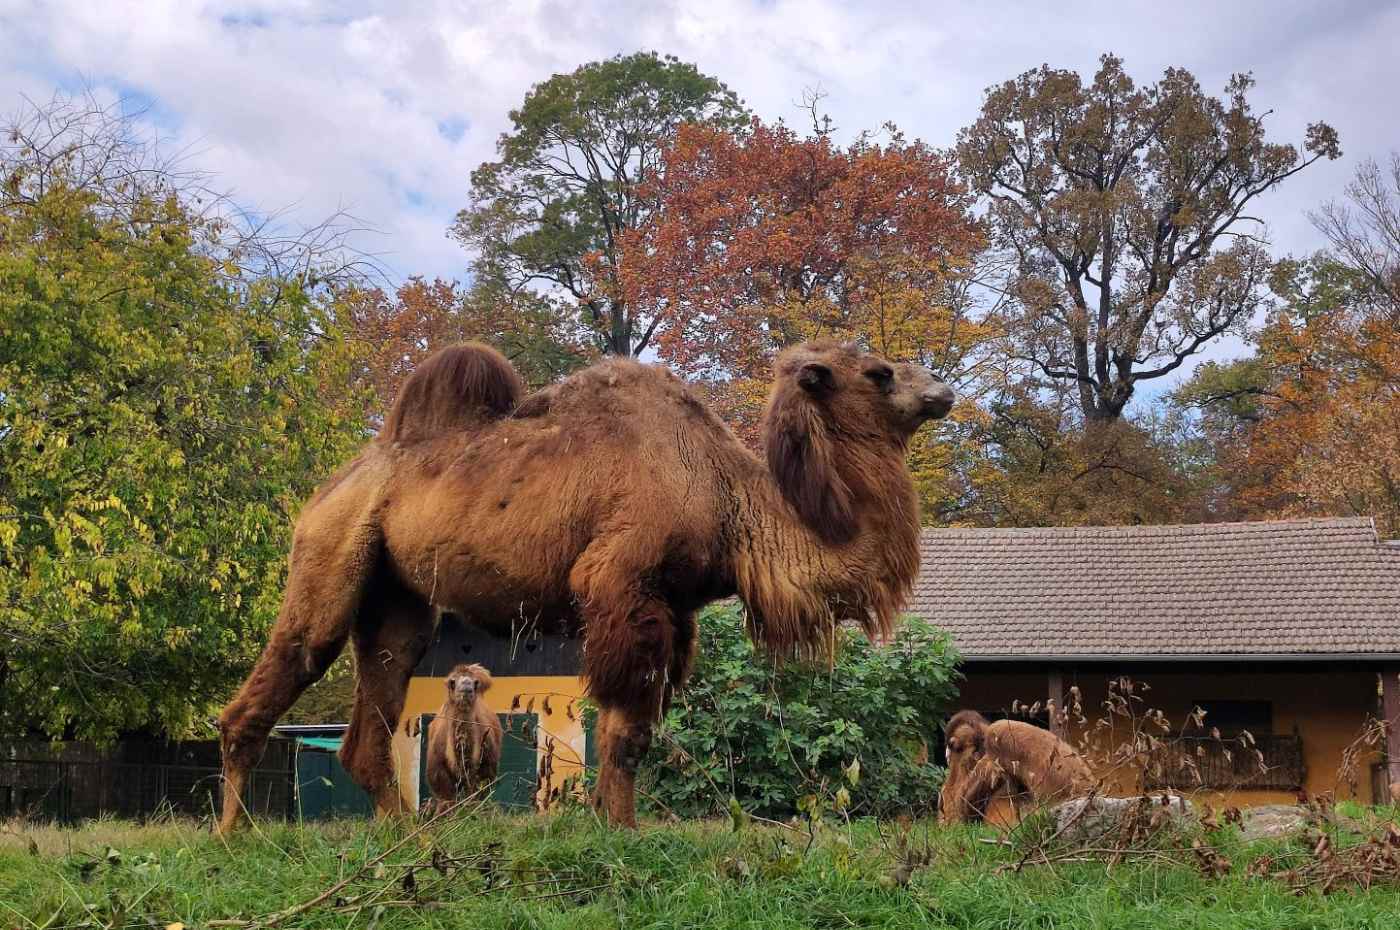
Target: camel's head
(858,391)
(465,682)
(827,395)
(965,738)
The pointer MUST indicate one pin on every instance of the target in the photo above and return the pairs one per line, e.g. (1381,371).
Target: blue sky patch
(453,128)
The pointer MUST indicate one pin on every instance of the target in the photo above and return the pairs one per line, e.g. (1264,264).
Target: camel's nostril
(937,401)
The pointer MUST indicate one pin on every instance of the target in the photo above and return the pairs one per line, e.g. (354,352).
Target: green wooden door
(325,789)
(590,750)
(518,776)
(520,768)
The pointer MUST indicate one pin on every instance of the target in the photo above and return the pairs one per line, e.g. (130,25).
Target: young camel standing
(464,739)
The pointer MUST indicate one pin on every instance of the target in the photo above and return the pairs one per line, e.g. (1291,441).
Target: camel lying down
(984,758)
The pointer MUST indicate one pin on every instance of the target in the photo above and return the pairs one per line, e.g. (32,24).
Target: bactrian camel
(613,505)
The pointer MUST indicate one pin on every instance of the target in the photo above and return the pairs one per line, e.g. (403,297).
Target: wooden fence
(1230,764)
(134,779)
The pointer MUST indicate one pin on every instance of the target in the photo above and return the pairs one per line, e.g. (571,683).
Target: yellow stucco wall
(1327,709)
(425,697)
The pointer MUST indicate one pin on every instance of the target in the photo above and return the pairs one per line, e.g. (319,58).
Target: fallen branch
(278,917)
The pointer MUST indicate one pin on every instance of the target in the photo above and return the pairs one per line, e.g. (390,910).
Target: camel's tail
(457,388)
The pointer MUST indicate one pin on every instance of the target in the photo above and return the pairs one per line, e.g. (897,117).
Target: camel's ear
(802,462)
(482,676)
(816,378)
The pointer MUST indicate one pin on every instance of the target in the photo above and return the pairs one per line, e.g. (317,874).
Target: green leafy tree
(768,737)
(551,212)
(163,411)
(1124,211)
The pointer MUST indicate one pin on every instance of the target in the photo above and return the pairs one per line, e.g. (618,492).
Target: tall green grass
(569,871)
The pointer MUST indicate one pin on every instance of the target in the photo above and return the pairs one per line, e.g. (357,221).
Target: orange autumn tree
(1032,462)
(762,239)
(1310,425)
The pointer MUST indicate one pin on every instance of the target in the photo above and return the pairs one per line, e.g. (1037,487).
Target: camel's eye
(882,375)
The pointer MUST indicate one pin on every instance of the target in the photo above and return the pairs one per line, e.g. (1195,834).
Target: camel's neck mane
(463,743)
(798,583)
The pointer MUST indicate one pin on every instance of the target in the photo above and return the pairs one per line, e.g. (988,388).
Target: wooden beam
(1057,696)
(1390,710)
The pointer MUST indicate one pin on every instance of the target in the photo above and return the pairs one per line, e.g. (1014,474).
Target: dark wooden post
(1057,697)
(1390,709)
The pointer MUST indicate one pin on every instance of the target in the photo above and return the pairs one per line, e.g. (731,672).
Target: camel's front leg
(391,634)
(627,661)
(630,644)
(624,735)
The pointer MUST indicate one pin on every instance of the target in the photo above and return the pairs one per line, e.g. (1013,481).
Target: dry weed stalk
(1135,744)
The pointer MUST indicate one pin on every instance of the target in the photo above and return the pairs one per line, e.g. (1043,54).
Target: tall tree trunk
(619,341)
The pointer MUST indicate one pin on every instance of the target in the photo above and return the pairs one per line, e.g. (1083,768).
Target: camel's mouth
(936,402)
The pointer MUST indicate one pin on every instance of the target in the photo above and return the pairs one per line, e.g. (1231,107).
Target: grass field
(568,871)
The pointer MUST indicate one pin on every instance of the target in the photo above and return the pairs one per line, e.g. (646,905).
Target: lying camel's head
(965,738)
(465,682)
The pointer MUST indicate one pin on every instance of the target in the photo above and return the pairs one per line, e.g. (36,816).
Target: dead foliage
(1133,743)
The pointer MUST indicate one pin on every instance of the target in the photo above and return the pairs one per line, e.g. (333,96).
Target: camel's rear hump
(455,389)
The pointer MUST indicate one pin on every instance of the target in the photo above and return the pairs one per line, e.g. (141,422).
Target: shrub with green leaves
(771,736)
(165,407)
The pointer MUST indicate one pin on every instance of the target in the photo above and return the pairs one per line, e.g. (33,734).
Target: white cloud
(386,107)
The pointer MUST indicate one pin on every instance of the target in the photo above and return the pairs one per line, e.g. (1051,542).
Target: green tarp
(324,788)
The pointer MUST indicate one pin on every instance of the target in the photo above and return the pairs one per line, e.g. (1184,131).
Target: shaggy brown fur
(614,503)
(464,739)
(984,758)
(456,389)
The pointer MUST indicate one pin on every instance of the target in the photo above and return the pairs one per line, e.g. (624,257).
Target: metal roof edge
(1223,526)
(1281,657)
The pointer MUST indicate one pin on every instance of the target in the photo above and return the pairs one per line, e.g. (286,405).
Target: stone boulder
(1268,821)
(1103,815)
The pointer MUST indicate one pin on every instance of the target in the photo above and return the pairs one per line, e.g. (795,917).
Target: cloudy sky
(386,107)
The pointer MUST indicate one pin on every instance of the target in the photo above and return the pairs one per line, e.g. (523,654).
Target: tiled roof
(1285,588)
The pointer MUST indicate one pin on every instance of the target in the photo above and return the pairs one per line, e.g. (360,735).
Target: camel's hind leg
(324,586)
(391,635)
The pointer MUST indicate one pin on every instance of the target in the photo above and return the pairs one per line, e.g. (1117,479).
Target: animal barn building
(1285,629)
